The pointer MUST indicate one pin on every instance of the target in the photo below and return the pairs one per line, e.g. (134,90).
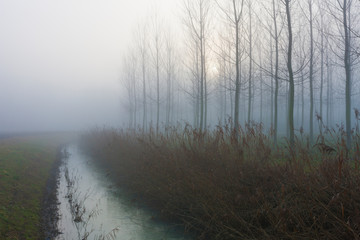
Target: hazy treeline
(287,64)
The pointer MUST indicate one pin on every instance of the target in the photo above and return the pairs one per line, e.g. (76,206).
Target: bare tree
(234,16)
(290,71)
(345,7)
(156,52)
(142,45)
(261,84)
(197,22)
(322,51)
(276,74)
(250,62)
(311,76)
(340,10)
(129,67)
(170,74)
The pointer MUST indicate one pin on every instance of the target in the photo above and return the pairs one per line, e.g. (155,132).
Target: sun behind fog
(213,71)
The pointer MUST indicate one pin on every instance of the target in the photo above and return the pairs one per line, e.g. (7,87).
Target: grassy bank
(224,188)
(25,164)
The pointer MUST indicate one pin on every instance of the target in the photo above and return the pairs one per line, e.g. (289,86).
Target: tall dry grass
(223,185)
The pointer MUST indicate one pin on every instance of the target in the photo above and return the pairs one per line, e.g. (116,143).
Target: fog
(73,65)
(60,62)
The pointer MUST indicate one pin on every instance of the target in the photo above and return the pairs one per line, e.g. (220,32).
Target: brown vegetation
(224,187)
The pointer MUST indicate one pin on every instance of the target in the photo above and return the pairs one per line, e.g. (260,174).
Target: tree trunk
(302,99)
(291,75)
(347,65)
(311,74)
(322,66)
(144,90)
(261,92)
(272,85)
(201,70)
(157,87)
(328,87)
(237,65)
(276,74)
(250,67)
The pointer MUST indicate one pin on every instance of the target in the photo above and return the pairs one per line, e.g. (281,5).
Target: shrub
(224,184)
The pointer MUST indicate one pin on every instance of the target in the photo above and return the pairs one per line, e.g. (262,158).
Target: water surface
(108,206)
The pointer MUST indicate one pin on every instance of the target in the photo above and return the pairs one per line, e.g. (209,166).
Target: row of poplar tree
(284,63)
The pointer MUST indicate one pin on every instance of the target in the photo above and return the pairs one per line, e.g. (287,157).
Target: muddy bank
(49,211)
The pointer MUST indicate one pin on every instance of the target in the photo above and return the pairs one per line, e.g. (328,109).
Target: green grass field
(25,164)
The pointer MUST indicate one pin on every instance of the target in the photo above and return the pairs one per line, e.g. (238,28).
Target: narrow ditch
(91,207)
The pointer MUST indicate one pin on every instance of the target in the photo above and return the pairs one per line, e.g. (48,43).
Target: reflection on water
(108,207)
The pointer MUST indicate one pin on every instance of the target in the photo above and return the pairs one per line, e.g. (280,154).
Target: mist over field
(60,62)
(73,65)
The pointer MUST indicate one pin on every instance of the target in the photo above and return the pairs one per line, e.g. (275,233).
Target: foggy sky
(60,61)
